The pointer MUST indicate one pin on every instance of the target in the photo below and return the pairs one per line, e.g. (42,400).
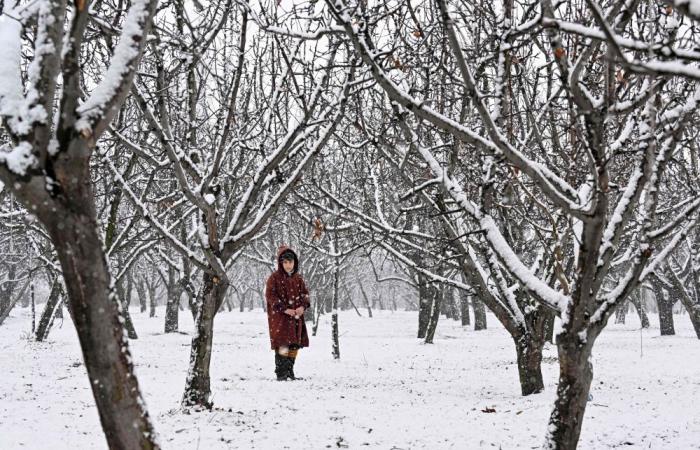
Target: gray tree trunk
(665,307)
(575,376)
(125,421)
(52,305)
(141,292)
(479,314)
(334,310)
(198,383)
(424,304)
(621,312)
(464,307)
(636,300)
(171,308)
(436,294)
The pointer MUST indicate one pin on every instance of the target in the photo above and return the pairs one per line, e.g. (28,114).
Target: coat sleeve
(274,302)
(305,295)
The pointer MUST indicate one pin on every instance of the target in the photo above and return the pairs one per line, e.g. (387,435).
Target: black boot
(280,367)
(291,369)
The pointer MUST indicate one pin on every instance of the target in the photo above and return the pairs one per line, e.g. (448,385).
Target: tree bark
(141,292)
(13,301)
(171,307)
(436,299)
(334,308)
(319,306)
(33,310)
(52,304)
(621,312)
(479,314)
(96,316)
(694,313)
(464,308)
(575,376)
(122,297)
(691,304)
(529,350)
(198,383)
(7,301)
(549,326)
(424,304)
(310,315)
(241,302)
(665,307)
(59,309)
(639,306)
(128,322)
(152,301)
(455,304)
(367,302)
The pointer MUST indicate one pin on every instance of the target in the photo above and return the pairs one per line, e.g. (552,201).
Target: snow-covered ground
(388,391)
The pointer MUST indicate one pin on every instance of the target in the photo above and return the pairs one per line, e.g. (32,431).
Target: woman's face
(288,265)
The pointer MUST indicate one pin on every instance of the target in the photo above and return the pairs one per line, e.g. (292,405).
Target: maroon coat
(284,291)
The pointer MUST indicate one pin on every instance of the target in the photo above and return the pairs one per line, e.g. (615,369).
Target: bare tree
(46,164)
(601,198)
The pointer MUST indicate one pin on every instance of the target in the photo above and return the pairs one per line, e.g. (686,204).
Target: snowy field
(388,391)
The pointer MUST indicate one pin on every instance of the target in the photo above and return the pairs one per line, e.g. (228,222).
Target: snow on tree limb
(557,189)
(95,114)
(13,105)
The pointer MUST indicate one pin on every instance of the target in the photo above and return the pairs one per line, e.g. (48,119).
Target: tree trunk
(128,323)
(171,307)
(7,288)
(479,314)
(621,312)
(328,307)
(436,299)
(96,316)
(367,302)
(464,308)
(665,307)
(548,332)
(455,304)
(319,305)
(26,299)
(13,301)
(575,376)
(52,304)
(529,350)
(694,313)
(59,309)
(33,310)
(122,297)
(424,304)
(310,315)
(198,383)
(334,313)
(141,292)
(639,306)
(445,305)
(691,304)
(349,300)
(152,300)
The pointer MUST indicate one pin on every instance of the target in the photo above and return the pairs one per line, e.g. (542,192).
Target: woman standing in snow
(287,299)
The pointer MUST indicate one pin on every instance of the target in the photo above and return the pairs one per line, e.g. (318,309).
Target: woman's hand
(299,311)
(290,312)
